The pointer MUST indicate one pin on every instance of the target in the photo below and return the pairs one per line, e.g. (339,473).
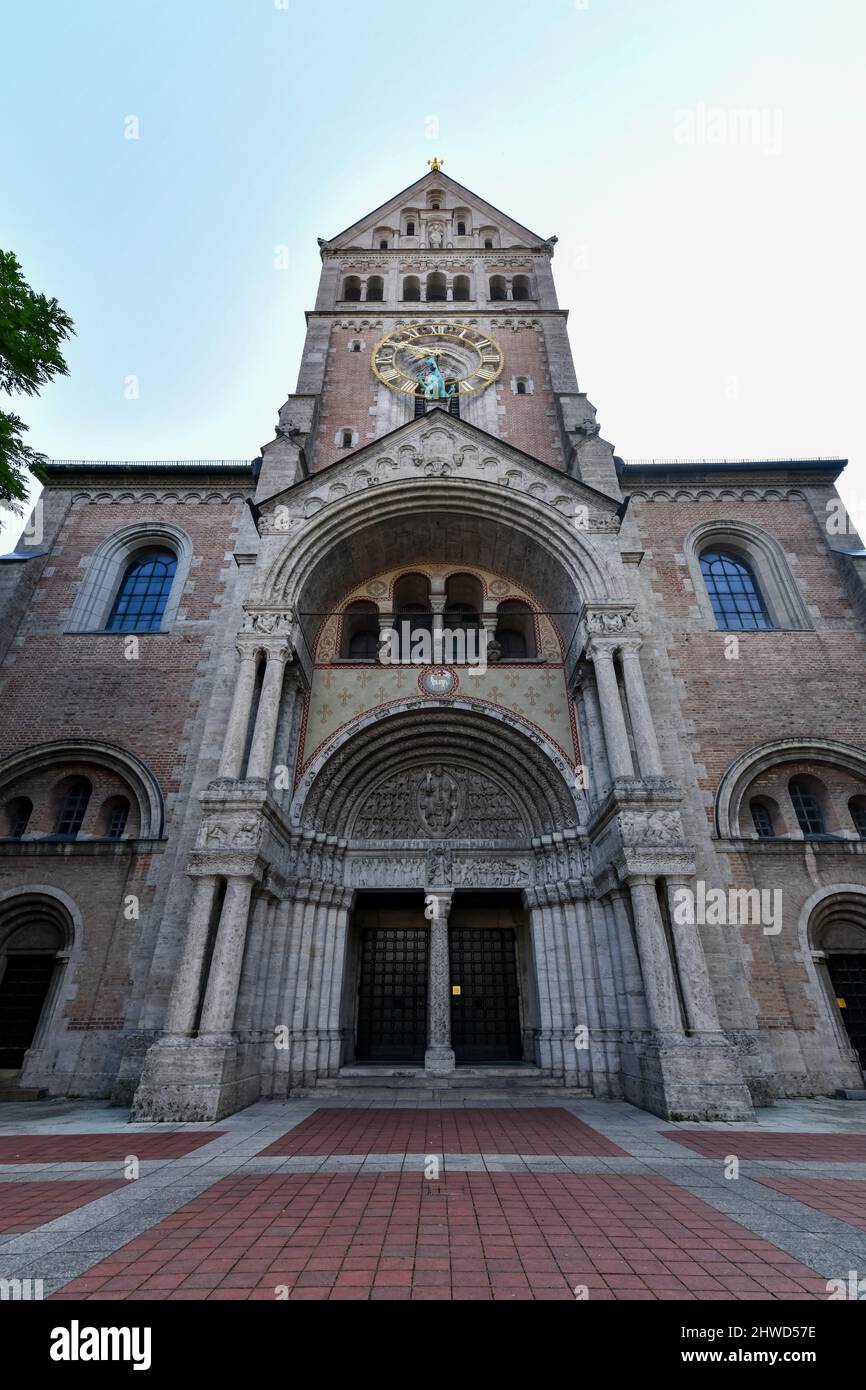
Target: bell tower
(437,297)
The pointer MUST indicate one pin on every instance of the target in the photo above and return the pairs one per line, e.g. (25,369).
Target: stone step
(851,1095)
(413,1083)
(12,1093)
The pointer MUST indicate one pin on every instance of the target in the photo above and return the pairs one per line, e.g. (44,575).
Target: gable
(439,445)
(415,198)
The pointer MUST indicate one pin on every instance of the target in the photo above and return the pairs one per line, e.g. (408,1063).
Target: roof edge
(656,468)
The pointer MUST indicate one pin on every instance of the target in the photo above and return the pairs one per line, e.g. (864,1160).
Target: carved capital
(610,620)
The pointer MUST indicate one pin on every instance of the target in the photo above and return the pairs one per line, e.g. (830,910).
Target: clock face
(437,360)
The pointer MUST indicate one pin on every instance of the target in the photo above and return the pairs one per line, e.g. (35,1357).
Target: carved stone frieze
(651,827)
(436,802)
(268,622)
(604,622)
(242,833)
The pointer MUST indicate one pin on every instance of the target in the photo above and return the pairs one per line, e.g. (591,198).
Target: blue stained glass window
(733,592)
(144,592)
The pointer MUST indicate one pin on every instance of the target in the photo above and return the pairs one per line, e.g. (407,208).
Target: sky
(698,162)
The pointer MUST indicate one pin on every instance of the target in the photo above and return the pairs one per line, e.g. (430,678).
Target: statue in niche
(436,239)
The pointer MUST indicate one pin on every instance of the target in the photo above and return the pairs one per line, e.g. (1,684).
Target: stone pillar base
(439,1061)
(194,1079)
(686,1078)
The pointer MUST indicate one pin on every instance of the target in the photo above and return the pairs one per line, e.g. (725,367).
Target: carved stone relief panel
(436,802)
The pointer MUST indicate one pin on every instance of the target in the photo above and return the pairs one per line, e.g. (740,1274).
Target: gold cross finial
(435,164)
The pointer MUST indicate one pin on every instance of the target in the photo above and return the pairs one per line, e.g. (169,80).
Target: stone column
(386,627)
(439,1057)
(694,977)
(255,966)
(658,975)
(642,725)
(437,604)
(239,718)
(599,779)
(632,978)
(331,1037)
(218,1014)
(183,1002)
(535,898)
(262,748)
(615,733)
(579,982)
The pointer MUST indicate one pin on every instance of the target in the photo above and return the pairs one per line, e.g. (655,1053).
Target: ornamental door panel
(23,991)
(392,995)
(848,974)
(485,1014)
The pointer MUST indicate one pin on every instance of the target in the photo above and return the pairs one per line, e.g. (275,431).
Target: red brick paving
(100,1148)
(24,1205)
(750,1143)
(536,1130)
(501,1236)
(842,1197)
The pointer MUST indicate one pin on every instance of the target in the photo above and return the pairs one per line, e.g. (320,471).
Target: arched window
(461,228)
(143,593)
(356,346)
(461,287)
(113,815)
(412,605)
(375,289)
(762,819)
(857,807)
(410,228)
(18,813)
(73,806)
(352,288)
(515,631)
(383,246)
(520,386)
(488,243)
(464,598)
(346,438)
(520,287)
(412,288)
(733,592)
(497,287)
(360,634)
(437,286)
(804,793)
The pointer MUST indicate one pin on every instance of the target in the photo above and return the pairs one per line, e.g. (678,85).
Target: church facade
(438,747)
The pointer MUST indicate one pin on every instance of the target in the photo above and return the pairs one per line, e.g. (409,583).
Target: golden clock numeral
(486,373)
(489,355)
(409,388)
(467,386)
(391,374)
(483,343)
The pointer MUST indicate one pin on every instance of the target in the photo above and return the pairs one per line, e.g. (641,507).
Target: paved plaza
(312,1201)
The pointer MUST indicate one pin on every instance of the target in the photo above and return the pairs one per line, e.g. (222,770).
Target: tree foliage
(32,328)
